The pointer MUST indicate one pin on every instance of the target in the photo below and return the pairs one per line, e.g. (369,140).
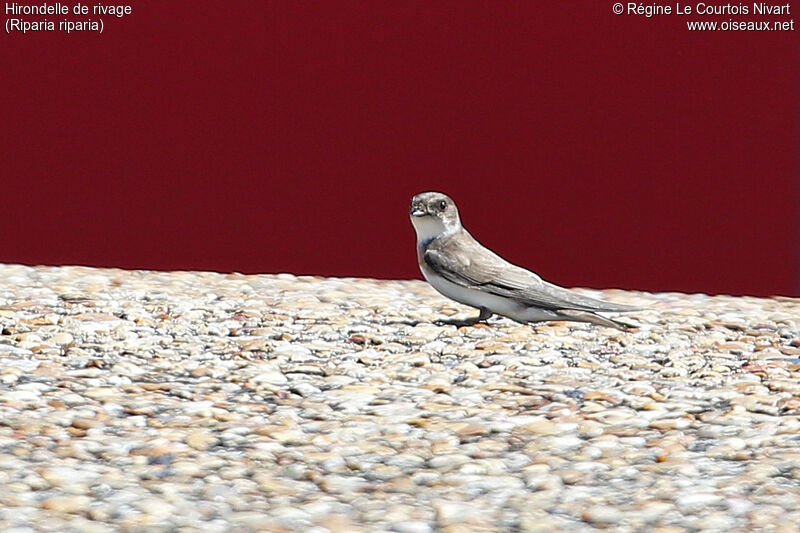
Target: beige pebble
(201,440)
(66,504)
(62,338)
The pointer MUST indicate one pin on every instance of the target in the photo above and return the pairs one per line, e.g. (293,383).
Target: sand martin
(462,269)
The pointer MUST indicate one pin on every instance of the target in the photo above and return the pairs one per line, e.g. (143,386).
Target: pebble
(412,527)
(695,501)
(66,504)
(62,338)
(197,401)
(201,440)
(602,515)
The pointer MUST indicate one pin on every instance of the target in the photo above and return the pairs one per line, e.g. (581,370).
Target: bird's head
(434,214)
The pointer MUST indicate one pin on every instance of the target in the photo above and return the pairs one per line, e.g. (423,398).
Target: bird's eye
(442,205)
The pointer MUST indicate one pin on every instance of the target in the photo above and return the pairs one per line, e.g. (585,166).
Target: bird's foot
(460,323)
(407,322)
(457,322)
(453,322)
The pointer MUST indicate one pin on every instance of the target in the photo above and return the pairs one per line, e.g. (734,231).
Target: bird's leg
(483,315)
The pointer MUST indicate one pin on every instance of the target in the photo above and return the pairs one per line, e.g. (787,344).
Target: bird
(462,269)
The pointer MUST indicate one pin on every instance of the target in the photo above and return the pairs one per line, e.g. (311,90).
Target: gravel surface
(189,401)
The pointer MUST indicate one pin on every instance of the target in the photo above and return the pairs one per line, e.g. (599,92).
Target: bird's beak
(417,212)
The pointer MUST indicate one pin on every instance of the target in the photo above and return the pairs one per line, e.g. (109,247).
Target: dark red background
(252,136)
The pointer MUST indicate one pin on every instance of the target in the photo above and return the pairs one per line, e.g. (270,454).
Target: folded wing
(471,265)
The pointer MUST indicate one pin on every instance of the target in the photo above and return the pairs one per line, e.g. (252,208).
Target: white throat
(430,227)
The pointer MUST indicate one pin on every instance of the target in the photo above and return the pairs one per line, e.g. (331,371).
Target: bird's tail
(586,316)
